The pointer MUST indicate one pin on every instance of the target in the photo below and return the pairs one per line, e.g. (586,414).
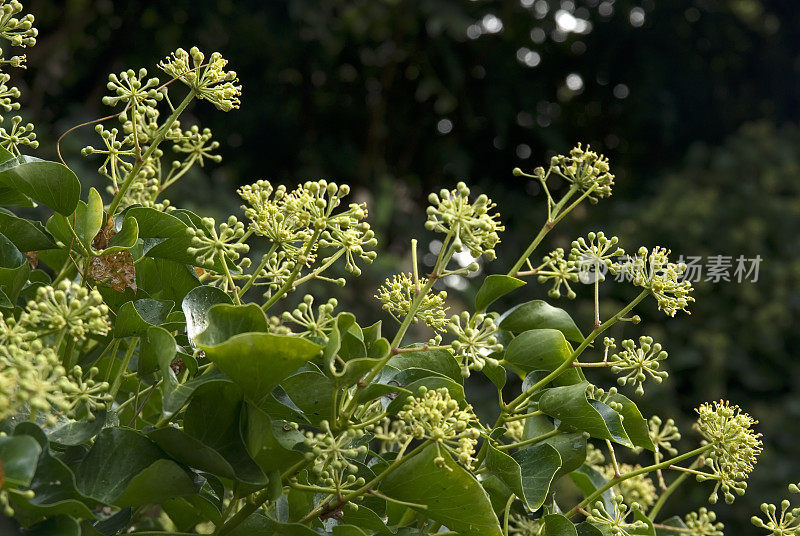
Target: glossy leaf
(25,234)
(125,238)
(440,361)
(14,269)
(58,526)
(157,351)
(261,524)
(570,405)
(539,465)
(226,320)
(451,494)
(273,444)
(163,279)
(88,218)
(542,349)
(195,306)
(558,525)
(49,183)
(19,456)
(257,362)
(538,314)
(493,288)
(136,317)
(505,468)
(633,421)
(589,480)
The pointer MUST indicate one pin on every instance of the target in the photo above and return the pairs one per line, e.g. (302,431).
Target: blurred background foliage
(694,101)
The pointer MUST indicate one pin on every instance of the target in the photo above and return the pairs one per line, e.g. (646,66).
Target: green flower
(69,307)
(703,523)
(209,80)
(332,456)
(560,271)
(271,213)
(8,94)
(735,447)
(472,225)
(617,521)
(638,489)
(662,434)
(653,271)
(18,135)
(587,170)
(114,167)
(208,244)
(593,255)
(397,294)
(787,523)
(639,362)
(475,340)
(19,31)
(436,416)
(133,90)
(194,143)
(314,326)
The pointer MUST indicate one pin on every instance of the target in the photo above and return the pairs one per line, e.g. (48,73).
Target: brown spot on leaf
(33,258)
(115,269)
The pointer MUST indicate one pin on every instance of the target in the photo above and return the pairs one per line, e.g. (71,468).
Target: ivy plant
(153,380)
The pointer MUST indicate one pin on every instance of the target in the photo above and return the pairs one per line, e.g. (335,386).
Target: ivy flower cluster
(703,523)
(638,489)
(783,521)
(476,339)
(585,169)
(209,245)
(651,270)
(397,294)
(436,416)
(735,447)
(617,522)
(556,268)
(70,308)
(639,362)
(20,32)
(472,225)
(318,325)
(593,252)
(209,81)
(331,456)
(133,90)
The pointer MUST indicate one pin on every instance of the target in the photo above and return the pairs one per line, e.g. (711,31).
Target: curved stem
(530,441)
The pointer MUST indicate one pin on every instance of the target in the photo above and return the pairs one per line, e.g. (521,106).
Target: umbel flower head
(131,88)
(397,294)
(435,415)
(662,434)
(637,363)
(587,170)
(560,271)
(735,447)
(209,80)
(475,340)
(653,271)
(638,489)
(70,307)
(18,135)
(207,243)
(617,522)
(332,456)
(472,225)
(318,325)
(593,255)
(783,521)
(703,523)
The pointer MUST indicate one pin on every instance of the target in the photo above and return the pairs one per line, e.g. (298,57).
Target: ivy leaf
(157,351)
(542,349)
(177,395)
(69,433)
(312,392)
(258,362)
(52,184)
(19,456)
(272,443)
(164,279)
(539,465)
(226,320)
(439,361)
(635,425)
(538,314)
(125,468)
(493,288)
(88,218)
(589,480)
(505,468)
(136,317)
(451,494)
(570,405)
(558,525)
(57,526)
(25,234)
(261,524)
(195,306)
(14,269)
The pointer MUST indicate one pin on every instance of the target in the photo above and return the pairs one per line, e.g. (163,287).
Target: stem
(530,441)
(507,513)
(290,282)
(667,492)
(261,265)
(644,470)
(127,359)
(229,278)
(157,139)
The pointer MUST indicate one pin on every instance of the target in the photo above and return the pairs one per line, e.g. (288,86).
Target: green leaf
(589,480)
(57,526)
(257,362)
(214,417)
(312,392)
(572,449)
(272,443)
(650,530)
(53,485)
(157,351)
(440,361)
(124,467)
(366,518)
(25,234)
(635,425)
(125,238)
(494,287)
(558,525)
(226,320)
(451,494)
(506,468)
(14,269)
(542,349)
(587,529)
(191,452)
(49,183)
(196,304)
(263,525)
(69,433)
(570,405)
(19,456)
(538,314)
(89,218)
(539,465)
(177,395)
(136,317)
